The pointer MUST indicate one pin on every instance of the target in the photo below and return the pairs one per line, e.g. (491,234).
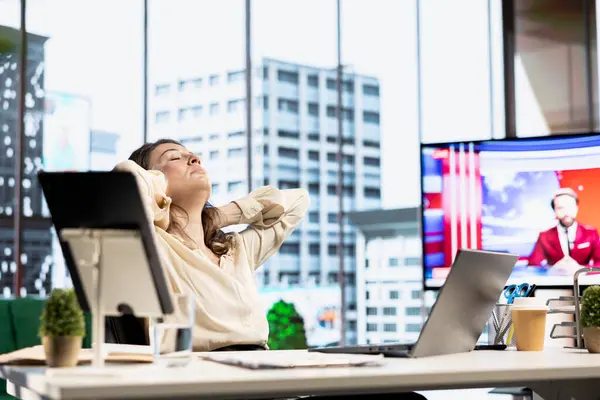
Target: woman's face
(184,172)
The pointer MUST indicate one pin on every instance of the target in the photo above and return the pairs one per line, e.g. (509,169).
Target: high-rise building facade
(37,237)
(295,145)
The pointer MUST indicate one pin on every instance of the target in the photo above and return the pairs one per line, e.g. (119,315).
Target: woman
(217,268)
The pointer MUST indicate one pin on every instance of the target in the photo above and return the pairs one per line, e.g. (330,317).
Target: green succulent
(286,327)
(62,315)
(590,307)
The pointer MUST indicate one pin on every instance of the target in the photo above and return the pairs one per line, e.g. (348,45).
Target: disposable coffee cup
(529,323)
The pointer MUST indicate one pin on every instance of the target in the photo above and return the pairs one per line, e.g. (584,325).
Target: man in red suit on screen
(569,244)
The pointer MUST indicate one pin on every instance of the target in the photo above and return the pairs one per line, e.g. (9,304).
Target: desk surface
(212,380)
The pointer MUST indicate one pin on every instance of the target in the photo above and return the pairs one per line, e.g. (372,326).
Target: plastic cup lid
(529,303)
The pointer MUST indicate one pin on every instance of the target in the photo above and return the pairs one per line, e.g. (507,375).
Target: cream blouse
(229,309)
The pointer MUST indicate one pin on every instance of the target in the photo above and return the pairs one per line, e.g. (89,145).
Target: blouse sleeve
(271,215)
(152,185)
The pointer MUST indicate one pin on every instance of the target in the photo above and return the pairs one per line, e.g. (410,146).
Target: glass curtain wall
(10,56)
(551,66)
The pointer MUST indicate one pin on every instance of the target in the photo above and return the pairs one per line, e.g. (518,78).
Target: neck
(192,223)
(567,226)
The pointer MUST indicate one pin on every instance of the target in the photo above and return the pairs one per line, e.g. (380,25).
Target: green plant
(590,307)
(7,46)
(286,327)
(62,315)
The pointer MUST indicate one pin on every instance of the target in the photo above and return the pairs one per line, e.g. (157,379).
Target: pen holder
(500,329)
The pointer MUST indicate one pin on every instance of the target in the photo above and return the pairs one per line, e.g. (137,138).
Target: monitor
(497,195)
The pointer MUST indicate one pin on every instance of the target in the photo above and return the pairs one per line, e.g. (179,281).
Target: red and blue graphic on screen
(496,195)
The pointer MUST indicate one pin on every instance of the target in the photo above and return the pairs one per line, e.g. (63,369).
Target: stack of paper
(271,359)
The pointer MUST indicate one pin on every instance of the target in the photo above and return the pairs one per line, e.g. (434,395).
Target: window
(367,295)
(287,76)
(394,295)
(413,261)
(162,117)
(235,134)
(288,184)
(372,193)
(313,136)
(415,294)
(313,155)
(235,105)
(183,113)
(413,328)
(213,155)
(288,134)
(348,86)
(196,111)
(349,250)
(332,277)
(348,159)
(393,262)
(371,311)
(313,216)
(331,84)
(331,157)
(288,105)
(412,311)
(313,109)
(332,218)
(162,89)
(291,278)
(372,161)
(370,90)
(213,136)
(371,327)
(314,249)
(347,113)
(389,327)
(371,143)
(236,76)
(215,188)
(285,152)
(389,311)
(185,84)
(213,108)
(313,188)
(213,80)
(233,186)
(235,152)
(290,248)
(266,102)
(331,190)
(313,80)
(332,250)
(331,111)
(371,117)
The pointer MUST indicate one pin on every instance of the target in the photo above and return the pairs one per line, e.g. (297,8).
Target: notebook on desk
(459,315)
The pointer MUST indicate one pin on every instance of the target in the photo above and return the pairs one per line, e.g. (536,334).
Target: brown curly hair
(214,238)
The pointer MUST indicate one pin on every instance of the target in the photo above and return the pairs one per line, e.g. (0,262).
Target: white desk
(553,374)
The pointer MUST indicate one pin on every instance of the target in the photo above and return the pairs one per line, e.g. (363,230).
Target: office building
(103,150)
(37,239)
(294,142)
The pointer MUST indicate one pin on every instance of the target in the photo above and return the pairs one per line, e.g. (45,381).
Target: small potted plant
(62,328)
(590,318)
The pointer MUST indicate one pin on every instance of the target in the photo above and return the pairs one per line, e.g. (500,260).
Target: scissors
(522,290)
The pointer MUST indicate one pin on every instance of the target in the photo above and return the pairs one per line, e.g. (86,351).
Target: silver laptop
(463,307)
